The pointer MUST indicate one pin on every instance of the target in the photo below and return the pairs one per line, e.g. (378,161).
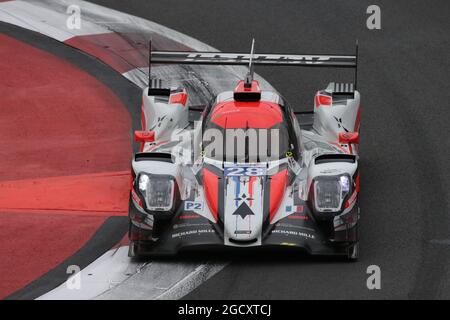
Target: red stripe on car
(211,187)
(351,199)
(250,189)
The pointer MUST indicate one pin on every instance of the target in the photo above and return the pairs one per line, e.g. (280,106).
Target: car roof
(239,114)
(247,107)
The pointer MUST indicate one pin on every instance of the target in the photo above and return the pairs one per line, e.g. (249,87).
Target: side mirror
(349,137)
(144,136)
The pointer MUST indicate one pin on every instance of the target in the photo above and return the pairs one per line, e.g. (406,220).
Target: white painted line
(190,282)
(111,269)
(162,280)
(116,276)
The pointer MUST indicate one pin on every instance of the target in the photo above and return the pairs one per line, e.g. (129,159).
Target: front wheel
(139,239)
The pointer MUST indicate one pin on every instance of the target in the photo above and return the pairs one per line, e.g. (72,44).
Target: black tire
(134,250)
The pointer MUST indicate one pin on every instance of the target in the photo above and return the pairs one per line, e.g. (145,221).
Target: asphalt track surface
(404,82)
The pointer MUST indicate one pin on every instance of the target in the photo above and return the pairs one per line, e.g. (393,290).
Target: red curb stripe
(55,119)
(106,193)
(31,245)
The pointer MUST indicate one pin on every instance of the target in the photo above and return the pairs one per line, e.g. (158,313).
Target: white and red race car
(246,171)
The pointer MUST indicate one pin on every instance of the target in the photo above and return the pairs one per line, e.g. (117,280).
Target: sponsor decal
(295,233)
(192,232)
(233,57)
(242,232)
(243,211)
(193,205)
(191,225)
(296,209)
(245,196)
(330,171)
(340,124)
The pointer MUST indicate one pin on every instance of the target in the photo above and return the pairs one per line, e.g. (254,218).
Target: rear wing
(225,58)
(250,59)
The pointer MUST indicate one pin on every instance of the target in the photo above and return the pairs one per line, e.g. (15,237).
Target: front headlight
(158,192)
(330,193)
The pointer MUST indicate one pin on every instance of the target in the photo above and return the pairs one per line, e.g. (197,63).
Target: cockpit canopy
(252,130)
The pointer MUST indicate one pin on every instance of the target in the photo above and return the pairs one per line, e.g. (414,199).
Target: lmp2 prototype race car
(247,171)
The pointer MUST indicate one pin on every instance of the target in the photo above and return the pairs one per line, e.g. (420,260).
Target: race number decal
(245,171)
